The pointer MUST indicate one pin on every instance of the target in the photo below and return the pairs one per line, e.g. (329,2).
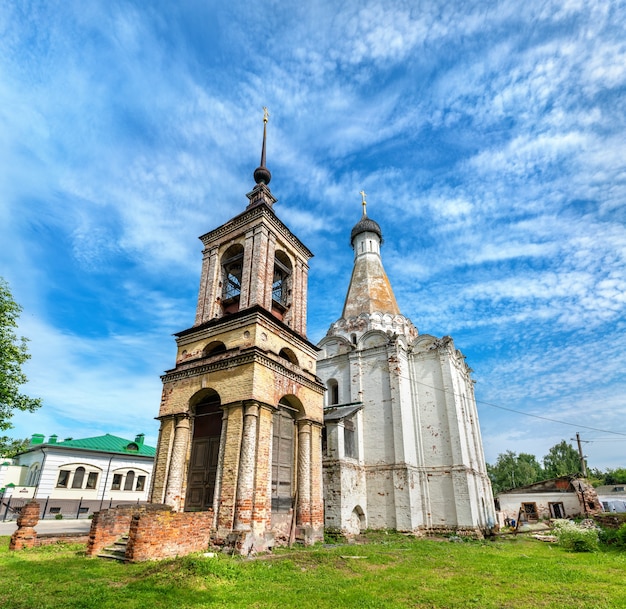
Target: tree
(512,470)
(13,353)
(562,460)
(9,447)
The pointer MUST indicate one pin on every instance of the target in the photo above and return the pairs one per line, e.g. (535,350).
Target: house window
(33,475)
(117,482)
(79,475)
(130,480)
(64,478)
(92,480)
(530,511)
(557,510)
(141,483)
(349,438)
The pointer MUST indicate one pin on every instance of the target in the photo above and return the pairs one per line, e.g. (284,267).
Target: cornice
(250,215)
(252,356)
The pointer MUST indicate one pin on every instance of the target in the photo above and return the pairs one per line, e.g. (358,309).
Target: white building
(98,469)
(403,448)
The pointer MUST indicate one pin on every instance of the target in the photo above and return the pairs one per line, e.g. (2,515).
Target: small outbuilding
(563,497)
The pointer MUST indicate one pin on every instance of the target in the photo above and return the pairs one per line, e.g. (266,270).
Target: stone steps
(117,551)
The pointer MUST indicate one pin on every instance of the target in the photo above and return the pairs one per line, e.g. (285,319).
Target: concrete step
(116,551)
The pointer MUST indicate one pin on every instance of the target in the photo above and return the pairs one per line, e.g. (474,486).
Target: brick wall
(164,534)
(25,536)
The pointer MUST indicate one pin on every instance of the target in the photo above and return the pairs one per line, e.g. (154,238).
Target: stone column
(176,474)
(247,466)
(317,494)
(217,495)
(25,535)
(303,516)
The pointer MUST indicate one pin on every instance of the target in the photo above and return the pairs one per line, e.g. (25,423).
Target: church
(278,438)
(402,445)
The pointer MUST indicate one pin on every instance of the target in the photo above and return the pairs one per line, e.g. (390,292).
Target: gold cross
(363,201)
(266,114)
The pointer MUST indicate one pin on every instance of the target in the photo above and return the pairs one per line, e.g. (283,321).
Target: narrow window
(141,483)
(333,392)
(64,477)
(79,476)
(232,270)
(349,438)
(117,482)
(353,338)
(130,481)
(92,480)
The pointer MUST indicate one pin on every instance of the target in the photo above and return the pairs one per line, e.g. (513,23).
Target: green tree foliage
(512,470)
(9,447)
(13,353)
(561,460)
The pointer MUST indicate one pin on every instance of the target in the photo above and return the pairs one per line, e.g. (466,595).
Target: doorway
(205,448)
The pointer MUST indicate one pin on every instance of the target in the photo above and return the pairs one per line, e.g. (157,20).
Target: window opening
(64,477)
(117,482)
(92,480)
(333,392)
(130,481)
(79,475)
(349,437)
(280,282)
(141,483)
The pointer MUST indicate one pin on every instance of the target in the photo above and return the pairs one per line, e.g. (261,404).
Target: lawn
(391,571)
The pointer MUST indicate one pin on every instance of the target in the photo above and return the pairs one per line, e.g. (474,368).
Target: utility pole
(583,465)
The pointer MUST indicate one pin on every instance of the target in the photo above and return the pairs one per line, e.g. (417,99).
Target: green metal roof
(107,443)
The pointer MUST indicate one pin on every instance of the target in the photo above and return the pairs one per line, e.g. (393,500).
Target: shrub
(575,537)
(58,517)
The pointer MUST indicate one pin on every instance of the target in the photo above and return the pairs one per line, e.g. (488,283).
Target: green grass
(391,572)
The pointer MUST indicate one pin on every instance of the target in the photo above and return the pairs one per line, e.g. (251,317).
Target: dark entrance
(205,448)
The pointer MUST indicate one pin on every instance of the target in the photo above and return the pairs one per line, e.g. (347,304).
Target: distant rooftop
(106,443)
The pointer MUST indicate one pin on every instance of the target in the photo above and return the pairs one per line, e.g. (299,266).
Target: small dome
(366,224)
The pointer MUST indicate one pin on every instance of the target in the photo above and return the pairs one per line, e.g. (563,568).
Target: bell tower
(242,411)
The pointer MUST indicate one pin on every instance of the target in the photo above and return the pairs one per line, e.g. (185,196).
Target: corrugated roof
(107,443)
(341,412)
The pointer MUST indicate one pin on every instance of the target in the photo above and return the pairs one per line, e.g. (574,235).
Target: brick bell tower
(242,412)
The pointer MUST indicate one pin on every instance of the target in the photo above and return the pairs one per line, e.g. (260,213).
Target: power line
(527,414)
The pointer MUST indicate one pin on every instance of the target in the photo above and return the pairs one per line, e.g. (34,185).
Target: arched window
(33,475)
(79,475)
(281,284)
(232,268)
(289,355)
(214,348)
(333,392)
(130,480)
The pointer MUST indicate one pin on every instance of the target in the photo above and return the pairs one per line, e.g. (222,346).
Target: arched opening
(130,480)
(205,447)
(283,456)
(214,348)
(357,521)
(289,355)
(281,283)
(232,269)
(79,476)
(333,392)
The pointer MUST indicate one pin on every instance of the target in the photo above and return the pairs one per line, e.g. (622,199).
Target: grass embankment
(393,572)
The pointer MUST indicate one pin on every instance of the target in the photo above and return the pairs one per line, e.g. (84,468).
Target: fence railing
(51,509)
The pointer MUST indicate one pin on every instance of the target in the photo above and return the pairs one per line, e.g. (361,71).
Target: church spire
(262,176)
(369,290)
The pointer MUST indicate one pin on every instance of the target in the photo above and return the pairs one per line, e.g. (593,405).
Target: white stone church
(402,446)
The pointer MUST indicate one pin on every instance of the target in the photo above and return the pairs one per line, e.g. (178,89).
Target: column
(303,516)
(176,474)
(247,463)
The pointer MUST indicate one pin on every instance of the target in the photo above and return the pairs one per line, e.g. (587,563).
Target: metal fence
(11,507)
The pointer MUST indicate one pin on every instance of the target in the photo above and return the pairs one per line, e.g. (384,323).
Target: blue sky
(491,142)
